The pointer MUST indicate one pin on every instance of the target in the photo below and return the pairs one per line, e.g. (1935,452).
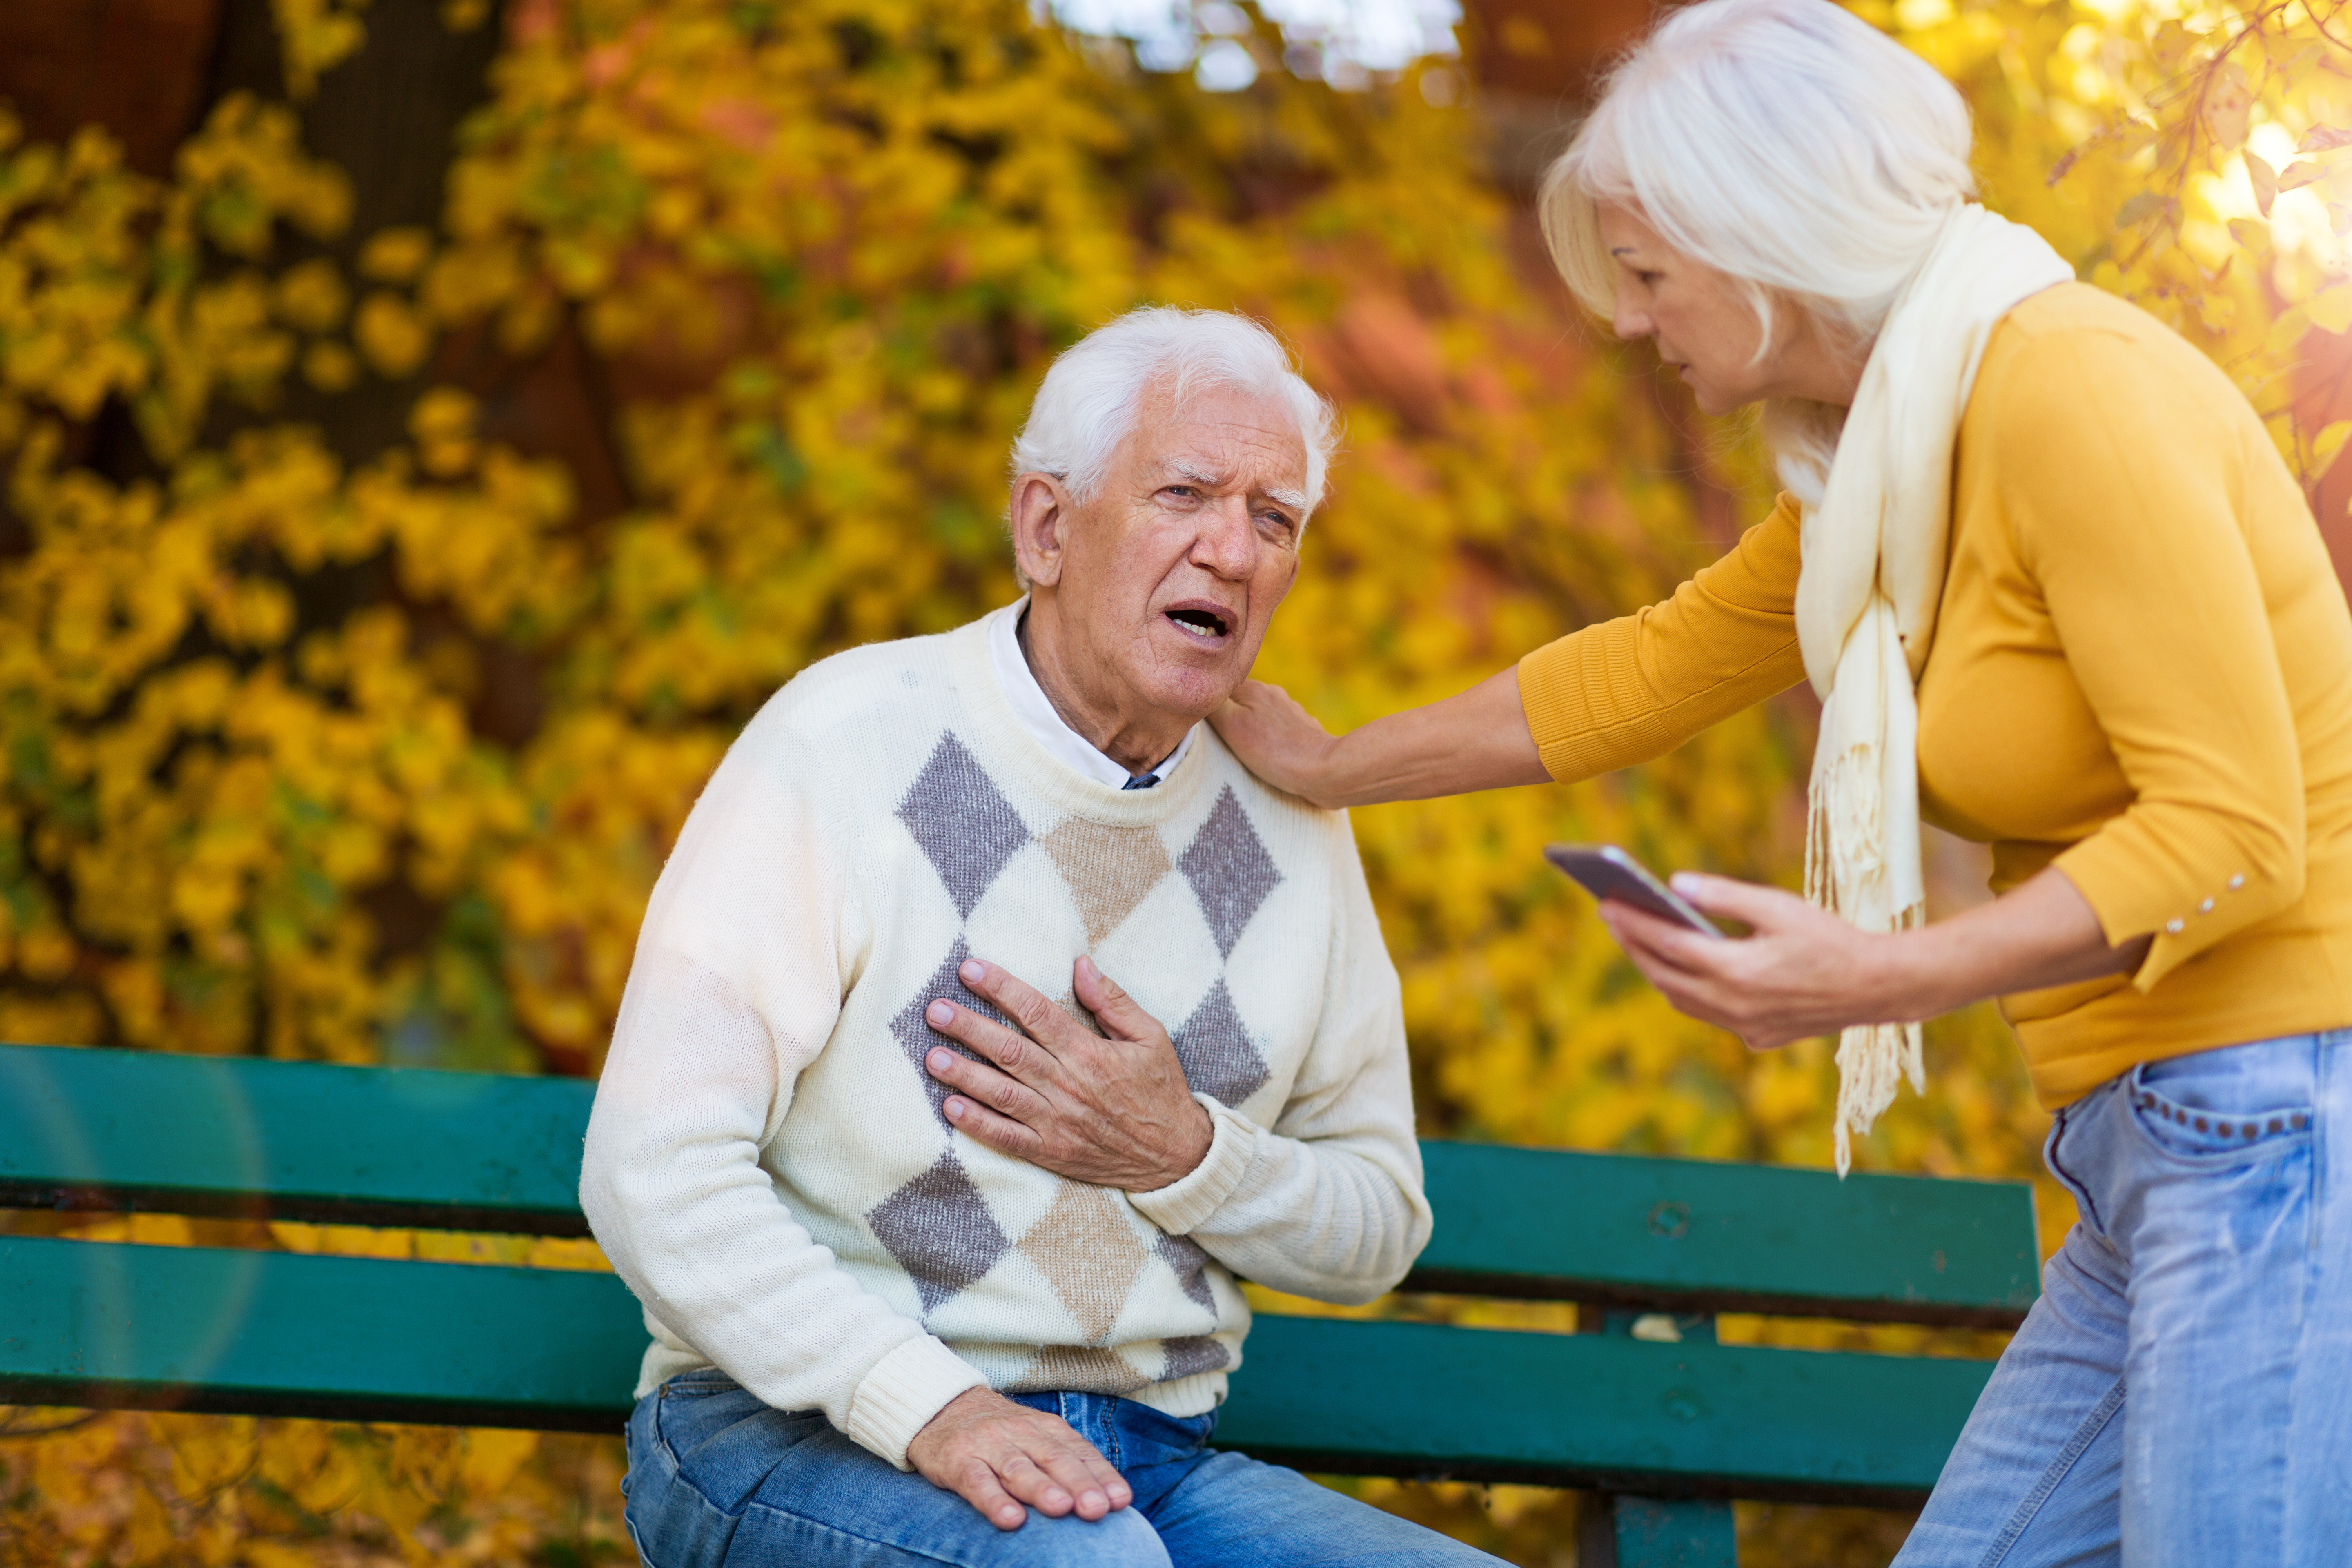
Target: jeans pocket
(694,1384)
(693,1407)
(2055,1157)
(2208,1106)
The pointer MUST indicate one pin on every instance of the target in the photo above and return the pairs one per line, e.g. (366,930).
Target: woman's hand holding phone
(1801,972)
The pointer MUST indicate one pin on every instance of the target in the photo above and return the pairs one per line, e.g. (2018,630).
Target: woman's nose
(1630,323)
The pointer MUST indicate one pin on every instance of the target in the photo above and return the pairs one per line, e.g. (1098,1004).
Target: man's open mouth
(1200,622)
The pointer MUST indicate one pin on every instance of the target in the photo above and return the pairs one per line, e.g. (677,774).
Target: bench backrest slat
(277,1333)
(1702,1236)
(479,1151)
(239,1135)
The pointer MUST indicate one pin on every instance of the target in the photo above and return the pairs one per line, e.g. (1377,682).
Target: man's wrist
(1186,1159)
(902,1392)
(1186,1202)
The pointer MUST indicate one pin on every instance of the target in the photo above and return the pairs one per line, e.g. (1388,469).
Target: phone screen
(1608,872)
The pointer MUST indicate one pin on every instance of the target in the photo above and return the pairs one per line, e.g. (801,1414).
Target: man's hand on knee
(1112,1109)
(996,1455)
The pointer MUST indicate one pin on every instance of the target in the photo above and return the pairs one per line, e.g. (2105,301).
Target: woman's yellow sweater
(2142,674)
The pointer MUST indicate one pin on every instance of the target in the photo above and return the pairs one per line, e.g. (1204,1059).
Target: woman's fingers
(1278,740)
(1668,942)
(1703,977)
(1751,905)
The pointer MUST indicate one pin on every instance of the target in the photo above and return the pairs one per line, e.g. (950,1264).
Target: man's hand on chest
(1113,1109)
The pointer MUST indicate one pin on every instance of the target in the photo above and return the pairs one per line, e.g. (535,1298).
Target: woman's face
(1705,328)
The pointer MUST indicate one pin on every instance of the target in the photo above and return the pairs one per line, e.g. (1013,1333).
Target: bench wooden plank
(242,1135)
(479,1151)
(364,1339)
(1598,1411)
(1697,1235)
(276,1334)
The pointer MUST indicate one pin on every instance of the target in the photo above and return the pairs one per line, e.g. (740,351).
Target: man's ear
(1039,518)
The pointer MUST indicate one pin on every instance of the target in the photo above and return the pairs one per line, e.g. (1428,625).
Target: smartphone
(1608,872)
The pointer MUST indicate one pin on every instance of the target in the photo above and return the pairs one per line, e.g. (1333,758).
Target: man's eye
(1186,492)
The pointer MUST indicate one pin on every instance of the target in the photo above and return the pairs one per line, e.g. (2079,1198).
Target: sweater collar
(1043,720)
(1010,741)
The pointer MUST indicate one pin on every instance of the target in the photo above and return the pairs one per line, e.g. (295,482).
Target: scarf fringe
(1844,860)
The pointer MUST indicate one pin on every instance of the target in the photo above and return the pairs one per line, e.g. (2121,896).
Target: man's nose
(1228,541)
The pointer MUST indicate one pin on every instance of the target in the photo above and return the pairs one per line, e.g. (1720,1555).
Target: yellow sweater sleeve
(2129,512)
(1637,687)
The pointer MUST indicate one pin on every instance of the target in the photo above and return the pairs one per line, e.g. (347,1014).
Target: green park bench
(1666,1432)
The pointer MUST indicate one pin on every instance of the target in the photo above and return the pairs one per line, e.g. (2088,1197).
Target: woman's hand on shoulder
(1275,739)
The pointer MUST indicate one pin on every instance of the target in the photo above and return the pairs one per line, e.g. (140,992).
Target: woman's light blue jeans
(2181,1394)
(716,1477)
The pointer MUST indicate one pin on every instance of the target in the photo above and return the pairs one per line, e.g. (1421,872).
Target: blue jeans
(2182,1393)
(716,1477)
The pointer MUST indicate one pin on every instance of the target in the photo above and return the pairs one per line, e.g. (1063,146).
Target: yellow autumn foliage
(819,254)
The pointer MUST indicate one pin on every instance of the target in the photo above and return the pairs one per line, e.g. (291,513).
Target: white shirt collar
(1037,712)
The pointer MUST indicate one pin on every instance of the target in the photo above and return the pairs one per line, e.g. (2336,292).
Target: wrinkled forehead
(1222,438)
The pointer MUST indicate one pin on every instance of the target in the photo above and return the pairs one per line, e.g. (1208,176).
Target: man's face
(1167,577)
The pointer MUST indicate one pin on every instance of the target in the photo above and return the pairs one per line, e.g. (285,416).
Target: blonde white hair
(1094,392)
(1787,144)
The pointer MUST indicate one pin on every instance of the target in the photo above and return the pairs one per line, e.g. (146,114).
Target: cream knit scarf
(1867,599)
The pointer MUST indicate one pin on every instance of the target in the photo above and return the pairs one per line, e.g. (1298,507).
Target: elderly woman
(2059,595)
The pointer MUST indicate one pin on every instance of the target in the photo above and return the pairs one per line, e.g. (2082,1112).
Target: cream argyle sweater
(768,1166)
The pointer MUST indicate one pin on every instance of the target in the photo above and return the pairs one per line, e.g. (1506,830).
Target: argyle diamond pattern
(962,823)
(917,1038)
(940,1229)
(1088,1253)
(1230,870)
(1109,869)
(1077,1369)
(1194,1354)
(1191,1263)
(1214,1047)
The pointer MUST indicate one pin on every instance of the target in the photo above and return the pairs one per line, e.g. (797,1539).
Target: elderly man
(905,1181)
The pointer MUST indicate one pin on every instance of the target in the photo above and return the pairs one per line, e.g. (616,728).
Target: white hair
(1787,144)
(1092,396)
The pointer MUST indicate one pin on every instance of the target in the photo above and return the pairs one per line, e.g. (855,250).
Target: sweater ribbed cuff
(1183,1205)
(903,1391)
